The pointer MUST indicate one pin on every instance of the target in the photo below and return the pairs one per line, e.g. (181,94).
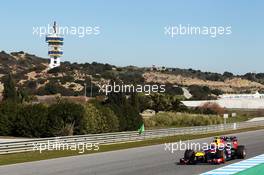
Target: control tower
(55,42)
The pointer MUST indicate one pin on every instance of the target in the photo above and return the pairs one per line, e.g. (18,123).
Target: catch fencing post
(235,126)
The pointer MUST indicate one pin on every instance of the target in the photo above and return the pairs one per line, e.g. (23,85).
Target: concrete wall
(230,103)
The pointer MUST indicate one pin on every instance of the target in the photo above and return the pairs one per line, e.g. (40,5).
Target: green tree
(9,92)
(200,92)
(92,118)
(159,102)
(163,102)
(126,109)
(8,112)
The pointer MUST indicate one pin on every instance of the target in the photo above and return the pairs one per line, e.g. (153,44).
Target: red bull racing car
(220,150)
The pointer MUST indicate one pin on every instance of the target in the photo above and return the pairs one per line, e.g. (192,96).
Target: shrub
(64,113)
(171,119)
(30,121)
(211,108)
(100,118)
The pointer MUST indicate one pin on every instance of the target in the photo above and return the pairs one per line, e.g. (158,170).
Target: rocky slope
(31,73)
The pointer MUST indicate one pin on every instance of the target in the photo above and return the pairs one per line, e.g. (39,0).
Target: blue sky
(132,32)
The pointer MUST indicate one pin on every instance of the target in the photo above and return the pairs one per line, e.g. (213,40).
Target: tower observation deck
(55,43)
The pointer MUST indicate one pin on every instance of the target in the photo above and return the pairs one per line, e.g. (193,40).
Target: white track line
(237,167)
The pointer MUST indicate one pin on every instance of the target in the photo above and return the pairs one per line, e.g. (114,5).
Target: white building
(233,101)
(242,96)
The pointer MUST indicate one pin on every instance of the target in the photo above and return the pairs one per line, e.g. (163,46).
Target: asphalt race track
(150,160)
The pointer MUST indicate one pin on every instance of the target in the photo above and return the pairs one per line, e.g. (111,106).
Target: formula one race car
(220,150)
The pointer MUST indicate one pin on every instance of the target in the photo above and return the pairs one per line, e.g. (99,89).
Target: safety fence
(120,137)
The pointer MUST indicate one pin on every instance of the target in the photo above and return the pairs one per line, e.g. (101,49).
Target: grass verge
(34,156)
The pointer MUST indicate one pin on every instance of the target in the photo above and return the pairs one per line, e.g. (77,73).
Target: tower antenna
(54,27)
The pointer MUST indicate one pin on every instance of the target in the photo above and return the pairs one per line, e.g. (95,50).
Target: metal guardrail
(119,137)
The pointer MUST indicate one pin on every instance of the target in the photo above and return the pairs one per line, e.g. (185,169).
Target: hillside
(228,85)
(31,74)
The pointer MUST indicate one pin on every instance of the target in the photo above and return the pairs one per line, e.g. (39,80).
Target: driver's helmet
(218,141)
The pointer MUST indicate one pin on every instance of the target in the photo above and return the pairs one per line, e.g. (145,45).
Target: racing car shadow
(178,163)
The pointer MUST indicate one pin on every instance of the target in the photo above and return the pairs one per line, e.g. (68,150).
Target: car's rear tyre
(220,154)
(241,152)
(189,155)
(233,153)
